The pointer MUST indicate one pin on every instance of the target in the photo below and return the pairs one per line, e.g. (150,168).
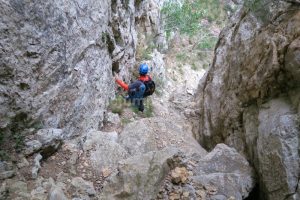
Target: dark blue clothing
(135,94)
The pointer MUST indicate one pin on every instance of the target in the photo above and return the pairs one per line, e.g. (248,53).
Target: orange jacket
(126,87)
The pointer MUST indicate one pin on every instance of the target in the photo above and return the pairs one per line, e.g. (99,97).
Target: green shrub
(125,121)
(207,43)
(4,155)
(117,105)
(205,66)
(194,67)
(186,17)
(181,57)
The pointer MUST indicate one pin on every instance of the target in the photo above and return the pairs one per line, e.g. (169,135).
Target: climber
(140,88)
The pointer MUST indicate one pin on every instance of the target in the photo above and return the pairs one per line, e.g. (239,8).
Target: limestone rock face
(250,96)
(57,59)
(149,23)
(227,171)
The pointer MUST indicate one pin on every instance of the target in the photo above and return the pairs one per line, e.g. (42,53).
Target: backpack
(150,87)
(134,89)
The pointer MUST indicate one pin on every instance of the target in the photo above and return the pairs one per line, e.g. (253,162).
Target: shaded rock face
(250,97)
(57,59)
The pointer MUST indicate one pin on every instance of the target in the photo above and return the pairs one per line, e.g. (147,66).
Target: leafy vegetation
(125,121)
(207,43)
(117,105)
(181,57)
(4,155)
(194,67)
(186,18)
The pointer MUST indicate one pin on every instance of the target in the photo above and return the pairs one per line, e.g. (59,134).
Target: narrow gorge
(223,123)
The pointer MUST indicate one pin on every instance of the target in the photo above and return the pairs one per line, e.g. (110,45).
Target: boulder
(277,147)
(32,146)
(36,166)
(138,138)
(112,118)
(56,193)
(18,189)
(179,175)
(138,177)
(224,172)
(83,187)
(104,150)
(47,142)
(6,170)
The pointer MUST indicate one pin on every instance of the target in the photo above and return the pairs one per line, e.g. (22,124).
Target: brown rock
(174,196)
(179,175)
(106,172)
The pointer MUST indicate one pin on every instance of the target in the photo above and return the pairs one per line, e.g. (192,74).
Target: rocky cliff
(250,97)
(57,60)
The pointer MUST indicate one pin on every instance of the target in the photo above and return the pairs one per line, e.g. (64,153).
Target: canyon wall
(250,97)
(58,59)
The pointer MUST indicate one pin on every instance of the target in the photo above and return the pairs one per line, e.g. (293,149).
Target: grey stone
(5,166)
(49,136)
(32,146)
(139,177)
(112,118)
(277,147)
(140,137)
(218,197)
(57,61)
(6,170)
(56,193)
(18,189)
(3,190)
(83,187)
(39,193)
(104,149)
(36,166)
(137,139)
(226,170)
(23,163)
(6,174)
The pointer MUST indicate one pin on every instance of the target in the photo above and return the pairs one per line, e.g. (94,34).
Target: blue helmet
(143,69)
